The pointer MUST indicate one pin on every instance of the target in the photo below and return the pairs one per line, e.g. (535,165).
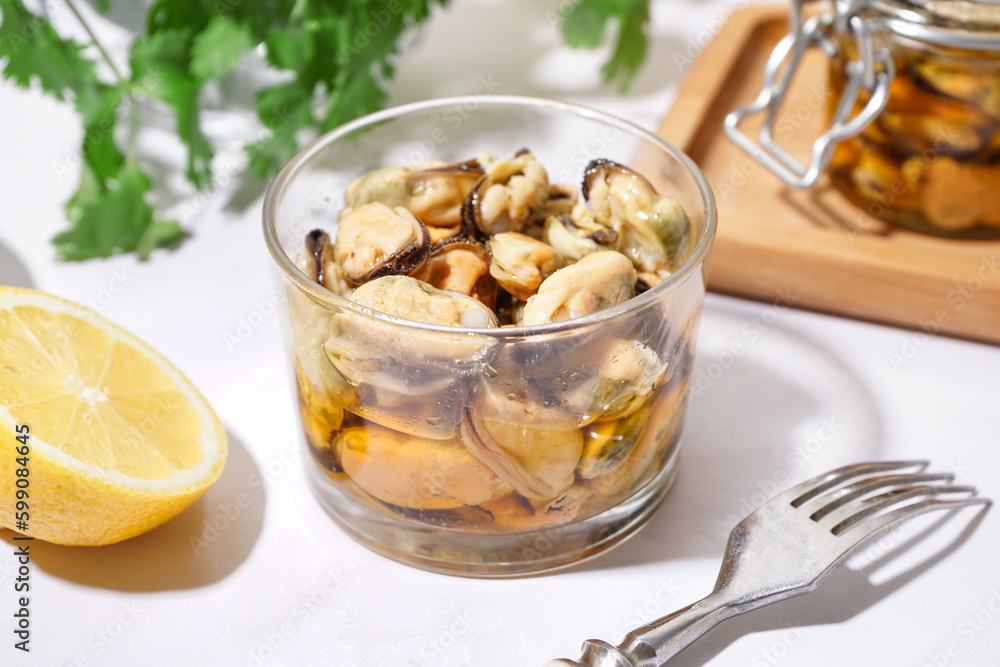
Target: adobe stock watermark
(657,605)
(226,6)
(451,118)
(584,154)
(229,512)
(274,640)
(248,325)
(221,179)
(32,24)
(788,124)
(966,632)
(367,30)
(882,546)
(795,459)
(698,41)
(219,184)
(120,279)
(555,18)
(946,140)
(779,648)
(445,640)
(103,638)
(958,297)
(750,332)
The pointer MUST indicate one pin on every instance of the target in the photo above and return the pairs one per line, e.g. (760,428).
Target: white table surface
(281,585)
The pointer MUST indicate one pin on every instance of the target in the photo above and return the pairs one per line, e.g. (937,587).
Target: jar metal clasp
(873,72)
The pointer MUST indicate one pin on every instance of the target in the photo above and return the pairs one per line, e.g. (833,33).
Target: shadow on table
(202,545)
(844,595)
(751,433)
(13,271)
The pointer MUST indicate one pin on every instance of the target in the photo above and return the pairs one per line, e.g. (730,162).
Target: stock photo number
(22,516)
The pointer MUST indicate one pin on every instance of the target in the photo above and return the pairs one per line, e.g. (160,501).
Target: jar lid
(961,23)
(967,14)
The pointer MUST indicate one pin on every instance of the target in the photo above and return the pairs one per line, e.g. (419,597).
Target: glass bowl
(488,452)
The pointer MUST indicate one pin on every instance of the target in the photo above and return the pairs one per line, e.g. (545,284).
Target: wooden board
(813,246)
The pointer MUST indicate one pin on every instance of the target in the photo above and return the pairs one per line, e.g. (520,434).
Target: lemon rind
(212,438)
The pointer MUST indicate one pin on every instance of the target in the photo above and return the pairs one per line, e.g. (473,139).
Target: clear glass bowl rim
(638,303)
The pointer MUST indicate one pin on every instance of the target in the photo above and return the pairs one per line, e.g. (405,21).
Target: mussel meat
(415,472)
(538,463)
(652,229)
(461,265)
(520,263)
(509,195)
(374,240)
(432,191)
(596,282)
(411,299)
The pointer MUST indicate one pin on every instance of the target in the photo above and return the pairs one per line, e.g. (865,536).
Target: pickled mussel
(414,387)
(607,444)
(317,262)
(437,192)
(462,430)
(433,191)
(510,194)
(929,161)
(374,240)
(415,472)
(651,229)
(520,263)
(409,298)
(578,234)
(539,463)
(461,265)
(598,281)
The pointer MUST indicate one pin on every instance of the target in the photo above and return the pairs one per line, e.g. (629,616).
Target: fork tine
(811,488)
(841,497)
(882,522)
(882,501)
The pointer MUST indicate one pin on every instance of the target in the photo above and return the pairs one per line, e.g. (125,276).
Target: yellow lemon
(102,438)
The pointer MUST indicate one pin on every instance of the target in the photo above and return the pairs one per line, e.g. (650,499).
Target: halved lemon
(114,440)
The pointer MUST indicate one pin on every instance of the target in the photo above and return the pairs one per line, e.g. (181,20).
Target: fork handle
(655,643)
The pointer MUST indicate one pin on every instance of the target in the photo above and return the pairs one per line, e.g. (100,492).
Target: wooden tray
(813,247)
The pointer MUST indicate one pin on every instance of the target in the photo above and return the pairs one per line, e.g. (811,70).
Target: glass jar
(489,451)
(914,111)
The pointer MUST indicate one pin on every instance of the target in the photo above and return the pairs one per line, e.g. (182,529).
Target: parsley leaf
(583,26)
(283,109)
(160,63)
(214,51)
(337,54)
(34,52)
(119,220)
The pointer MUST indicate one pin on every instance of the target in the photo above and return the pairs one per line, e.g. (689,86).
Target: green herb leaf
(99,108)
(337,53)
(284,109)
(160,63)
(159,234)
(32,51)
(117,220)
(214,51)
(584,24)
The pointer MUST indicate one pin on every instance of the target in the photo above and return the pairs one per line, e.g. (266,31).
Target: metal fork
(787,547)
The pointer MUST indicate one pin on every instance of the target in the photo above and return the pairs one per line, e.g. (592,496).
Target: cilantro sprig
(338,55)
(584,24)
